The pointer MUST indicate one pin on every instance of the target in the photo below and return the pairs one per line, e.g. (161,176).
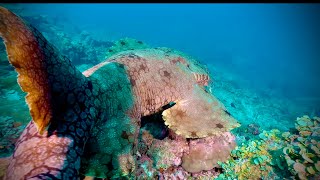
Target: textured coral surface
(276,155)
(204,154)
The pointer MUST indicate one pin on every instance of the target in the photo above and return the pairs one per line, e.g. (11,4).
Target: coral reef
(14,111)
(251,160)
(253,129)
(166,153)
(264,108)
(301,150)
(125,44)
(176,157)
(205,153)
(278,155)
(9,133)
(81,49)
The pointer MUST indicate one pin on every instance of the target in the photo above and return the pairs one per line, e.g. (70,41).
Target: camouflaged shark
(83,122)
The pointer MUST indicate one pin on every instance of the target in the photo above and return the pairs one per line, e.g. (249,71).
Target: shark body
(82,122)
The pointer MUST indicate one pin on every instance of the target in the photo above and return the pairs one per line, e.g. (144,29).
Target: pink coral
(178,158)
(174,173)
(167,152)
(205,153)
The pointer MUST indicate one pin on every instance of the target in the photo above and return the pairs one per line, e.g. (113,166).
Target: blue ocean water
(271,45)
(264,58)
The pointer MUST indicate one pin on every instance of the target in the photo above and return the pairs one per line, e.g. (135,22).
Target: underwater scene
(160,91)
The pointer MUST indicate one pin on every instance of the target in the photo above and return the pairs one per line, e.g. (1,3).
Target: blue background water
(273,46)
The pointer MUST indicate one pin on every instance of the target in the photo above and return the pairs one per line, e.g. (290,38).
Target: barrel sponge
(205,153)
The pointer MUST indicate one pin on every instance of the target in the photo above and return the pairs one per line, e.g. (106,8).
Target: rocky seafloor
(271,143)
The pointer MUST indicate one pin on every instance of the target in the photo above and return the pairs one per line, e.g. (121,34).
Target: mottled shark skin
(143,82)
(57,94)
(88,123)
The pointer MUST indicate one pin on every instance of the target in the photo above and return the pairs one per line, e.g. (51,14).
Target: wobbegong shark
(82,121)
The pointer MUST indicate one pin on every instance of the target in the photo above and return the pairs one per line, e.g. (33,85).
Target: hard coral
(287,155)
(205,153)
(81,48)
(301,151)
(9,133)
(167,152)
(174,158)
(253,129)
(251,160)
(124,45)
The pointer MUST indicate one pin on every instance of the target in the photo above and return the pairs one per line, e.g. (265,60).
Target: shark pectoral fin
(199,115)
(47,77)
(39,105)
